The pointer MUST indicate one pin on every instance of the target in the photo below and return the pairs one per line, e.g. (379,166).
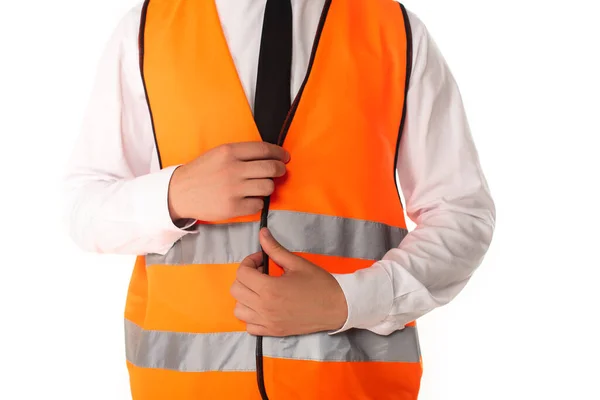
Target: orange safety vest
(337,206)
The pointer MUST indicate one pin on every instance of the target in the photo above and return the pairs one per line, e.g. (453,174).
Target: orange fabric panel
(284,380)
(244,218)
(196,97)
(196,298)
(309,380)
(155,384)
(343,137)
(135,307)
(333,264)
(191,298)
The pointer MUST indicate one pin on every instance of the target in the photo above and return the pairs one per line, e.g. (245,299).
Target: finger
(249,275)
(253,260)
(244,294)
(248,151)
(257,187)
(257,330)
(246,314)
(250,205)
(279,254)
(263,169)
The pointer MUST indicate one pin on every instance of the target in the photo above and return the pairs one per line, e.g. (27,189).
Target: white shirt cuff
(369,293)
(154,208)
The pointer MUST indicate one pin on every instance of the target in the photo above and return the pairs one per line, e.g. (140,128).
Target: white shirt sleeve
(446,196)
(115,193)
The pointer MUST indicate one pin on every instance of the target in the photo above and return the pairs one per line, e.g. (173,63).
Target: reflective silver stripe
(298,232)
(189,352)
(234,351)
(355,345)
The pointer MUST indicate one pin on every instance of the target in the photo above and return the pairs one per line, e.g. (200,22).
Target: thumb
(279,254)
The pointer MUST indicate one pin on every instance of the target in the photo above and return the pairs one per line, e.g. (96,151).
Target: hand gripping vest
(337,206)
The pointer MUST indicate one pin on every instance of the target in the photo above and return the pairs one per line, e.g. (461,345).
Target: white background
(526,326)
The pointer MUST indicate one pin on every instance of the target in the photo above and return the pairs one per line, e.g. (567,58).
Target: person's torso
(334,206)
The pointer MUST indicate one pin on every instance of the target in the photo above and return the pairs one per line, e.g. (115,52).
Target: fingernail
(266,233)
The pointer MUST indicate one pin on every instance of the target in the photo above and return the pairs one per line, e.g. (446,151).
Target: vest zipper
(267,201)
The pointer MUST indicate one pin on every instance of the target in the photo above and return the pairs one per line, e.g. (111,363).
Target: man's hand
(305,299)
(226,182)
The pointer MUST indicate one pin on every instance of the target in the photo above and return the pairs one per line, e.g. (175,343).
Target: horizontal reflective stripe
(189,352)
(351,346)
(298,232)
(235,351)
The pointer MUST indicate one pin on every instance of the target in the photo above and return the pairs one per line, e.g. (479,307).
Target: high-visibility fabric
(233,351)
(340,212)
(297,232)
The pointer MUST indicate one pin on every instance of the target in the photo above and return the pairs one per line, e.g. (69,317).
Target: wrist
(339,308)
(175,196)
(370,296)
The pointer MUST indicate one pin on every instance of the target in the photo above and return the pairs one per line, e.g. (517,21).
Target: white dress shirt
(116,194)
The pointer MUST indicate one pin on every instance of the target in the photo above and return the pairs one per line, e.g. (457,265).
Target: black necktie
(272,99)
